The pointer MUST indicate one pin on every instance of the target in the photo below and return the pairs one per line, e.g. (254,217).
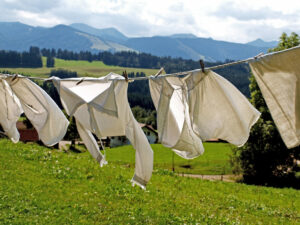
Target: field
(215,159)
(83,68)
(39,185)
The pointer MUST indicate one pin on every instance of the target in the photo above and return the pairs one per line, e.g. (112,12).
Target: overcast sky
(232,20)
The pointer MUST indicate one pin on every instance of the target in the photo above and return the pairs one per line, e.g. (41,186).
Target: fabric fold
(218,109)
(45,116)
(90,143)
(10,111)
(278,77)
(199,107)
(173,120)
(100,106)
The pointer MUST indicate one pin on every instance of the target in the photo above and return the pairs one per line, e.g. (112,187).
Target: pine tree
(50,61)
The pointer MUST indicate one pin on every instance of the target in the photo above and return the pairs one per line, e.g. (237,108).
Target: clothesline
(167,75)
(189,111)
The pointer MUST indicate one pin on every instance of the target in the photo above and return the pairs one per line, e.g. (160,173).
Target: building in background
(149,131)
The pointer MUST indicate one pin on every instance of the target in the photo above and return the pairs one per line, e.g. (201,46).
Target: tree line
(237,74)
(32,58)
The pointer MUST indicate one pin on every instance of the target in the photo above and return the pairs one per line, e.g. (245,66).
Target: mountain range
(81,37)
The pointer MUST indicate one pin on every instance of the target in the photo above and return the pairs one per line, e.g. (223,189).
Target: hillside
(43,186)
(261,43)
(60,36)
(110,34)
(81,37)
(194,48)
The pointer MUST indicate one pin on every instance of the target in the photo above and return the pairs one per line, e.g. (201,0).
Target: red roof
(25,133)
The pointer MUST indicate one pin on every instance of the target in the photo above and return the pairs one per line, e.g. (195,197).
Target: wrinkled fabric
(198,107)
(218,109)
(100,106)
(278,77)
(173,119)
(10,111)
(45,116)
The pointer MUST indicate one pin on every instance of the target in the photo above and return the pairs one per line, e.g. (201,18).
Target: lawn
(83,68)
(39,185)
(215,159)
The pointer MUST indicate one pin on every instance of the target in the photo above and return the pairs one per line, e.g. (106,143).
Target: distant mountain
(163,46)
(78,37)
(183,36)
(194,48)
(261,43)
(110,34)
(18,36)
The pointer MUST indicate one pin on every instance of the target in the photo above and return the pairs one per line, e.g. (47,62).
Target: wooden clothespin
(79,82)
(202,65)
(14,77)
(125,75)
(257,56)
(159,72)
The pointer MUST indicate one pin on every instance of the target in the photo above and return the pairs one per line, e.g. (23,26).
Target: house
(149,131)
(27,134)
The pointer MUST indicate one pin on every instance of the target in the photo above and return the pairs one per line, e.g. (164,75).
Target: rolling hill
(18,36)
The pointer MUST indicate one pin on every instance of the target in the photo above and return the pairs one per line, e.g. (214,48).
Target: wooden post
(173,166)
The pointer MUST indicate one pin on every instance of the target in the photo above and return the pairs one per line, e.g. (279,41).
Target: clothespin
(202,65)
(257,56)
(159,72)
(125,75)
(14,77)
(80,81)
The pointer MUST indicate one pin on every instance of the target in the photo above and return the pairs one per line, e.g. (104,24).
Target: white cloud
(230,20)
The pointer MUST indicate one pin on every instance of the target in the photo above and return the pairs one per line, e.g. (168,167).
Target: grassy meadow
(83,68)
(214,161)
(39,185)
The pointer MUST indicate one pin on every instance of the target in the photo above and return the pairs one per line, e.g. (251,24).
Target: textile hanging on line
(218,109)
(43,113)
(22,95)
(100,107)
(173,119)
(278,77)
(10,111)
(200,106)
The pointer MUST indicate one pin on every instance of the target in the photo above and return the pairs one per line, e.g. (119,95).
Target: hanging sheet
(278,77)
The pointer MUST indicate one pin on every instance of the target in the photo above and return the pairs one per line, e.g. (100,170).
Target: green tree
(264,159)
(50,61)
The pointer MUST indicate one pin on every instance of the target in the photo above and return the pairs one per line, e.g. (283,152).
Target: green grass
(83,68)
(43,186)
(215,159)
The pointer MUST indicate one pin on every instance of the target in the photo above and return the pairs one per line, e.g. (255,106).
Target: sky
(229,20)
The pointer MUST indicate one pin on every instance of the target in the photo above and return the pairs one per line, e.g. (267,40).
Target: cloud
(229,20)
(37,6)
(239,12)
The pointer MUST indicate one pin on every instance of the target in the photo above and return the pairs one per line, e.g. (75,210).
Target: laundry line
(260,55)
